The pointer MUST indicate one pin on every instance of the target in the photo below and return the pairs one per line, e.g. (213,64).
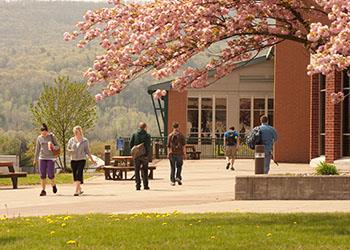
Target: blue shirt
(235,134)
(268,136)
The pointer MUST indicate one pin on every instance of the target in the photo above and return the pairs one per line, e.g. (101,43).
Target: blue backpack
(254,137)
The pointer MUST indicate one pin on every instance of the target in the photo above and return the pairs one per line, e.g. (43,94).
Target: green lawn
(178,231)
(34,179)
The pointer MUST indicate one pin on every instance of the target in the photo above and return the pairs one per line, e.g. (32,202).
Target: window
(206,118)
(322,80)
(220,117)
(192,116)
(200,118)
(250,111)
(244,114)
(259,110)
(346,115)
(270,108)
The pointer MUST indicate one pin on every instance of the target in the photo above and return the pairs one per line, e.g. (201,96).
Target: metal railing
(210,148)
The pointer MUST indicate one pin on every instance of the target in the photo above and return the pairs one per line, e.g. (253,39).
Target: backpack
(176,143)
(138,150)
(254,137)
(231,138)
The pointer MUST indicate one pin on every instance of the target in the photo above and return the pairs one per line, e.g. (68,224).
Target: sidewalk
(208,187)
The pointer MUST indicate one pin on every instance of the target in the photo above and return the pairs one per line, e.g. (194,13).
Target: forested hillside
(32,52)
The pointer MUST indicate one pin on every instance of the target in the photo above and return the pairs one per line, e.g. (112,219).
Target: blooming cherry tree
(162,35)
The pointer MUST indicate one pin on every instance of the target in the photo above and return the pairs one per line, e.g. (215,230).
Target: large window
(322,113)
(206,118)
(346,115)
(250,111)
(220,117)
(192,116)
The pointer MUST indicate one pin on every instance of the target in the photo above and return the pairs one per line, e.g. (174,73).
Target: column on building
(333,118)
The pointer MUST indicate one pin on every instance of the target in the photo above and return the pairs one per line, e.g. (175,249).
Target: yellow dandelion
(67,217)
(199,221)
(63,224)
(158,215)
(269,234)
(294,222)
(117,219)
(52,232)
(164,223)
(212,237)
(190,224)
(27,219)
(71,242)
(148,217)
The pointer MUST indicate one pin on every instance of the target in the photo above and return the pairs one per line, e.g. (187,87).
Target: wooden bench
(192,153)
(12,174)
(121,173)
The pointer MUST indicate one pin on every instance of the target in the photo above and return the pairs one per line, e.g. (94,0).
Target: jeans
(268,155)
(144,171)
(176,162)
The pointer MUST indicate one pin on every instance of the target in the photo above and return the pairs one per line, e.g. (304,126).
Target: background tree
(163,35)
(63,106)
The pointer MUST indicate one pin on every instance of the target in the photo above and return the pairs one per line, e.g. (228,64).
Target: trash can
(259,159)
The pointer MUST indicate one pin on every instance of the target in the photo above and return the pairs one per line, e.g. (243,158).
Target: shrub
(326,169)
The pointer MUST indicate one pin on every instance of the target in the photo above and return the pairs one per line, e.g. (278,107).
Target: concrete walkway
(208,187)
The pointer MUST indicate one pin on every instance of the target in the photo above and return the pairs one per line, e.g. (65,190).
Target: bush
(326,169)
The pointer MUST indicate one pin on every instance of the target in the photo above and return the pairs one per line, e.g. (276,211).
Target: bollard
(157,147)
(259,159)
(107,155)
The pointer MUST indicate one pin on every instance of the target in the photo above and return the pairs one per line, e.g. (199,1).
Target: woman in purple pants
(45,144)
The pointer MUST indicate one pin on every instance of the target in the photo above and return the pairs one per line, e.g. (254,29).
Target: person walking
(46,144)
(141,161)
(268,138)
(78,146)
(176,154)
(231,143)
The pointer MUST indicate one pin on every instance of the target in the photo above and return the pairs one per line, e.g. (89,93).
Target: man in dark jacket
(176,153)
(141,136)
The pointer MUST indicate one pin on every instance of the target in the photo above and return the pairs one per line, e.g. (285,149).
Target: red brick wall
(333,118)
(177,107)
(292,103)
(315,116)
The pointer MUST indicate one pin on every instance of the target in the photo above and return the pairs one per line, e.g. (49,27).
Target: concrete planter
(266,187)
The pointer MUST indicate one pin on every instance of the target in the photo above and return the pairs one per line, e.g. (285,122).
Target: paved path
(208,187)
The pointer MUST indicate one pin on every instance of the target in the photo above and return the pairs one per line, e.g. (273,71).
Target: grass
(178,231)
(34,179)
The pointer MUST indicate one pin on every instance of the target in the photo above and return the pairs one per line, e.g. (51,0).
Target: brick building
(275,84)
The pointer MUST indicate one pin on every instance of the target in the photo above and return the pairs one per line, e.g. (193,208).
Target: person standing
(78,146)
(176,153)
(46,143)
(268,138)
(231,143)
(141,137)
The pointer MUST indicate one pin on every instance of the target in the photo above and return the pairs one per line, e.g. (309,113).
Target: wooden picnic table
(12,174)
(123,160)
(120,173)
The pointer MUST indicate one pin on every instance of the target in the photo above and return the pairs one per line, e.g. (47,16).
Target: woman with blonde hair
(78,146)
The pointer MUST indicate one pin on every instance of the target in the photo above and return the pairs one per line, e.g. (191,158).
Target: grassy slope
(179,231)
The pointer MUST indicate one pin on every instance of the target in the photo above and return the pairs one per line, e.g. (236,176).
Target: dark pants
(78,169)
(176,162)
(141,161)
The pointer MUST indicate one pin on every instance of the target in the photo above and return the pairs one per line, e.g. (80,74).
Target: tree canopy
(164,34)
